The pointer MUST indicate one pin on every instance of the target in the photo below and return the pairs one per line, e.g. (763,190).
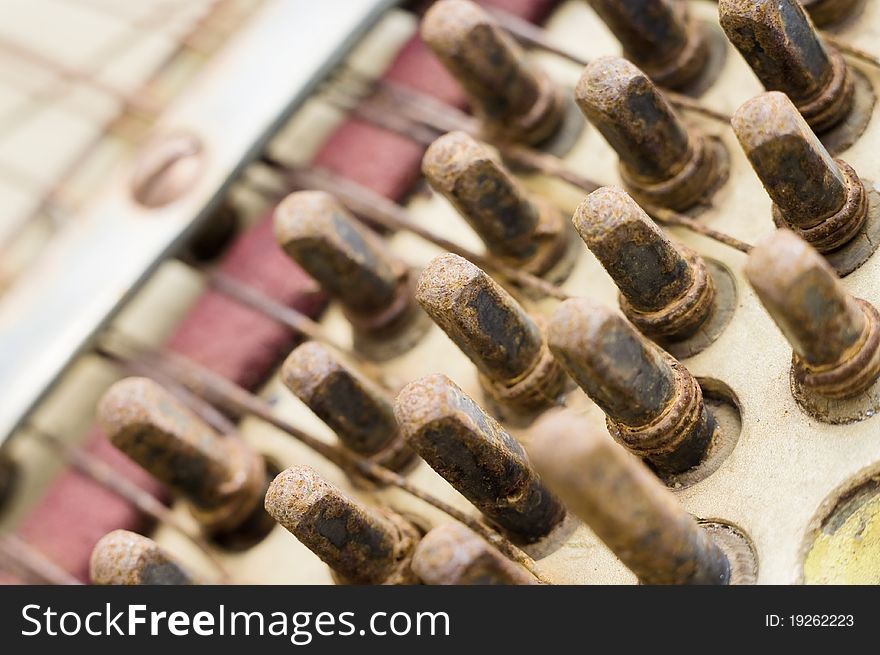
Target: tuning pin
(521,229)
(361,546)
(835,337)
(125,558)
(821,199)
(659,36)
(661,164)
(493,330)
(477,456)
(781,45)
(221,477)
(357,410)
(515,100)
(452,554)
(653,405)
(824,13)
(665,290)
(353,265)
(625,505)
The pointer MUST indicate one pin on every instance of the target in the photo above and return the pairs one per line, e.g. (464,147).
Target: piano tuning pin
(782,47)
(625,505)
(658,36)
(126,558)
(821,199)
(493,330)
(515,100)
(477,456)
(452,554)
(666,290)
(360,545)
(835,337)
(653,405)
(354,266)
(661,164)
(521,229)
(221,477)
(357,410)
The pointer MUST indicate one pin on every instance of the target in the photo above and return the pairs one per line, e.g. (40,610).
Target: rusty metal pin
(477,456)
(665,290)
(515,100)
(782,47)
(659,36)
(452,554)
(362,546)
(351,263)
(126,558)
(835,337)
(625,505)
(221,477)
(519,228)
(493,330)
(820,198)
(660,162)
(653,405)
(829,12)
(357,410)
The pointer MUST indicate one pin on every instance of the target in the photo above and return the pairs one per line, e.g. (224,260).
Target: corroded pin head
(492,329)
(452,554)
(515,100)
(782,47)
(660,163)
(126,558)
(835,337)
(522,229)
(363,546)
(653,405)
(665,289)
(625,505)
(477,456)
(356,409)
(349,261)
(221,477)
(659,36)
(820,198)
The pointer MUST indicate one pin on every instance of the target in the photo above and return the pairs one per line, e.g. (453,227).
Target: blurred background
(81,83)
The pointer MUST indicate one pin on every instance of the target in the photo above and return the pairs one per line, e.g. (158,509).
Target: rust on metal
(477,456)
(493,330)
(821,199)
(658,36)
(653,405)
(835,337)
(514,99)
(625,505)
(784,50)
(126,558)
(665,290)
(519,228)
(661,164)
(361,546)
(220,476)
(451,554)
(356,409)
(350,262)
